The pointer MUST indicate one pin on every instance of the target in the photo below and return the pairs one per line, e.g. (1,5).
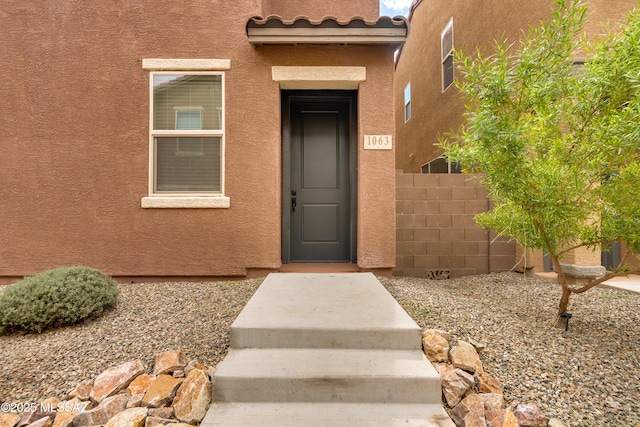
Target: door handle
(293,200)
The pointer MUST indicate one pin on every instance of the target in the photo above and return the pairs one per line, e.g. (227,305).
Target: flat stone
(42,422)
(64,419)
(67,411)
(193,397)
(92,417)
(491,401)
(530,416)
(140,384)
(82,391)
(455,384)
(169,361)
(113,405)
(115,379)
(501,418)
(486,383)
(161,391)
(464,356)
(471,403)
(435,346)
(179,425)
(132,417)
(9,420)
(163,412)
(194,364)
(583,271)
(474,419)
(157,421)
(135,401)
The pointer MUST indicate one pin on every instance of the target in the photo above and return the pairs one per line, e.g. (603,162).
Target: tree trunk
(566,294)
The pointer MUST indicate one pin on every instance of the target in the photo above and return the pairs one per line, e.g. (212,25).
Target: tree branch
(599,280)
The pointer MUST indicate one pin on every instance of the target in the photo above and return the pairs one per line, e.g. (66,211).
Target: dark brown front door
(319,187)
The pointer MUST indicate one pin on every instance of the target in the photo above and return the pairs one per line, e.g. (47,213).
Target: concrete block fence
(436,235)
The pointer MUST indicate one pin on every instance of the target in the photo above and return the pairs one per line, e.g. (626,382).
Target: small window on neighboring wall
(441,165)
(446,40)
(407,102)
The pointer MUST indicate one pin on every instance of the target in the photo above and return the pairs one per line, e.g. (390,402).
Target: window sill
(168,202)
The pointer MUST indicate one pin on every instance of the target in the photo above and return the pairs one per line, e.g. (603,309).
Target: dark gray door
(319,184)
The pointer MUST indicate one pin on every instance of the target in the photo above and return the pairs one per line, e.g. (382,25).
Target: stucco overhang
(273,29)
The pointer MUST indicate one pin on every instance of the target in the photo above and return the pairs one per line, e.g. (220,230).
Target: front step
(325,350)
(310,414)
(317,375)
(349,310)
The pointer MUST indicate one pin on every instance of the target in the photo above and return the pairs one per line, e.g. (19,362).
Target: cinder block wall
(436,234)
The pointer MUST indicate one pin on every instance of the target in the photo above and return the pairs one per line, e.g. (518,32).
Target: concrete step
(326,375)
(311,414)
(349,310)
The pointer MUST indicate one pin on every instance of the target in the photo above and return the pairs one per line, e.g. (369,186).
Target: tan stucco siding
(75,119)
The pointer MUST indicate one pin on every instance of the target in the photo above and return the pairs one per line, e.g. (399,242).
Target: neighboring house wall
(76,145)
(436,234)
(476,25)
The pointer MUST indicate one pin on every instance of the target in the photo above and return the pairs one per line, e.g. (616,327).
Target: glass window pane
(447,72)
(188,119)
(188,164)
(447,41)
(439,165)
(184,92)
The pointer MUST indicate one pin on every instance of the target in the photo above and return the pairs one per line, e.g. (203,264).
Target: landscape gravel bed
(587,376)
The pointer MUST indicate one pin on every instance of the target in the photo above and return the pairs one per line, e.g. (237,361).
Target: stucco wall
(75,140)
(476,23)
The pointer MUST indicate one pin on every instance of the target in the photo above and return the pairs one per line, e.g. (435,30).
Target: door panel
(319,181)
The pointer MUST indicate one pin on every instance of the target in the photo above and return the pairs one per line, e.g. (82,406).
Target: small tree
(555,142)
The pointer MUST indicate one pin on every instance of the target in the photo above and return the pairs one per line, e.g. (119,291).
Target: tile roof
(274,29)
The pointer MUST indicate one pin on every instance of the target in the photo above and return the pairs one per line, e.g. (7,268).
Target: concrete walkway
(629,283)
(325,350)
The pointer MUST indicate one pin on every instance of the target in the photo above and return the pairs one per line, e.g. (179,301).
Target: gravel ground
(588,376)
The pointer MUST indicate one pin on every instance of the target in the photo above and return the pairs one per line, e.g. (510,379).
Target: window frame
(445,56)
(177,133)
(407,102)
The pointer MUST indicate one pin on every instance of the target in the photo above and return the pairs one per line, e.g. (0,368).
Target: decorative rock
(479,346)
(178,374)
(193,397)
(501,418)
(444,334)
(157,421)
(179,425)
(161,391)
(486,383)
(82,390)
(474,419)
(135,401)
(455,384)
(42,422)
(491,401)
(164,412)
(140,384)
(115,379)
(68,410)
(464,356)
(583,271)
(194,364)
(471,403)
(530,416)
(63,419)
(132,417)
(92,417)
(9,420)
(114,404)
(554,422)
(435,346)
(169,361)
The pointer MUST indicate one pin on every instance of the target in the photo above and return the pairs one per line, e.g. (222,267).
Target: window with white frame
(446,43)
(441,165)
(187,133)
(407,102)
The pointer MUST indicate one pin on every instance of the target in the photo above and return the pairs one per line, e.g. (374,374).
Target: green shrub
(53,298)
